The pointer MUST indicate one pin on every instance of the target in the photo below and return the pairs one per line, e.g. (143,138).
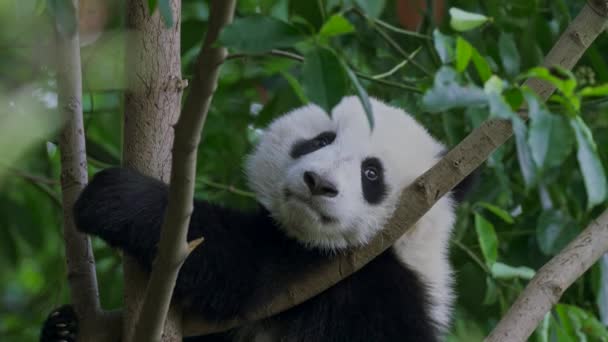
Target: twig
(298,58)
(422,194)
(173,248)
(79,254)
(471,255)
(550,282)
(391,27)
(398,66)
(228,188)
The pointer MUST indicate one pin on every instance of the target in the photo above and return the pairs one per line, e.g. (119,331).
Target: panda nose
(319,186)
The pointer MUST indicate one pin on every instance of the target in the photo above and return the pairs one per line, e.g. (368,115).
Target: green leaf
(325,80)
(601,90)
(524,155)
(65,16)
(503,271)
(508,53)
(448,93)
(487,239)
(590,163)
(444,45)
(554,230)
(464,50)
(481,65)
(335,26)
(256,34)
(464,21)
(491,292)
(372,8)
(550,139)
(361,94)
(152,5)
(164,6)
(500,213)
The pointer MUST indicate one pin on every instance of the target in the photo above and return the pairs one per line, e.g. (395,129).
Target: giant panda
(325,184)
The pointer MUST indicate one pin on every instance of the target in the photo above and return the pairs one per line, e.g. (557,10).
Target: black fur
(60,325)
(305,147)
(242,259)
(374,190)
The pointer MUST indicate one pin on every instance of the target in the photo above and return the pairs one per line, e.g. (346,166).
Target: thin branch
(228,188)
(79,254)
(173,248)
(550,282)
(472,255)
(391,27)
(422,194)
(298,58)
(398,66)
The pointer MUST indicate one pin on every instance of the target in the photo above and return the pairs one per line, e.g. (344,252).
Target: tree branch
(79,254)
(550,282)
(420,196)
(173,248)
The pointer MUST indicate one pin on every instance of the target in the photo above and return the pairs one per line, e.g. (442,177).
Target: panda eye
(321,142)
(371,173)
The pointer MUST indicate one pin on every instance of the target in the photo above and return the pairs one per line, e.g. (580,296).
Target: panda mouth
(325,219)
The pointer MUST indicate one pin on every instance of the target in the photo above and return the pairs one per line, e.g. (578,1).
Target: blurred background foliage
(451,69)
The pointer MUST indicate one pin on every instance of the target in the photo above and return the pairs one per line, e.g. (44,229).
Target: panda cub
(324,184)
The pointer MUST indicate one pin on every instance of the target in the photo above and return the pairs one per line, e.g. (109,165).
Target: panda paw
(60,326)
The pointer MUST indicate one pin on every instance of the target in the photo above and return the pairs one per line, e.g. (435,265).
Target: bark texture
(82,279)
(421,195)
(152,103)
(550,282)
(173,248)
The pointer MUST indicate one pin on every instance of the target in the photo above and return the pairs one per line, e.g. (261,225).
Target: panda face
(332,182)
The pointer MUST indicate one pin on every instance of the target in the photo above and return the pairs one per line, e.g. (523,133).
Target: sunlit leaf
(335,26)
(464,21)
(499,212)
(444,45)
(464,50)
(487,239)
(481,65)
(590,163)
(447,92)
(601,90)
(504,271)
(257,34)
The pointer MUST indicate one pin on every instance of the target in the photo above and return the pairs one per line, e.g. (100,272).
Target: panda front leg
(126,209)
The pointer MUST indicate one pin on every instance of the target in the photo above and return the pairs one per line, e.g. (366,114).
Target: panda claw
(60,326)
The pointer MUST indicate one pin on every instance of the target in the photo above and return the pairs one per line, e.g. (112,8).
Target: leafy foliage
(534,195)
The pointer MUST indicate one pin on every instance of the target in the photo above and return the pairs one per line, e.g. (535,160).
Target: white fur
(405,149)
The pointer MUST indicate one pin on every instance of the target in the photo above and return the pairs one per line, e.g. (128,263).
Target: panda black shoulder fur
(325,184)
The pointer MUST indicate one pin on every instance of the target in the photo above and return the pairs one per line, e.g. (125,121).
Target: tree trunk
(152,105)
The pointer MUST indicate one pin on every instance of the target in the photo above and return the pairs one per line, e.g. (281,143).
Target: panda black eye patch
(304,147)
(372,180)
